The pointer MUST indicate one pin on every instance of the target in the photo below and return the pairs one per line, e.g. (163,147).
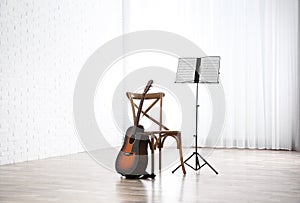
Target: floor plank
(245,176)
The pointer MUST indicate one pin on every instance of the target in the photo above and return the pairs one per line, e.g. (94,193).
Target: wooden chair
(157,137)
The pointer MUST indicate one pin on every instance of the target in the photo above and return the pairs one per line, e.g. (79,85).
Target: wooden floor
(245,176)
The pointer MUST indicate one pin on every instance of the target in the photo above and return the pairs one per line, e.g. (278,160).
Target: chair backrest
(155,97)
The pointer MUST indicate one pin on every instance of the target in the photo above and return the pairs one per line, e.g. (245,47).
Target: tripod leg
(197,163)
(189,157)
(185,162)
(212,168)
(176,168)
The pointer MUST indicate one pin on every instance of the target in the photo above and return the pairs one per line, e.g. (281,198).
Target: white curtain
(262,79)
(258,43)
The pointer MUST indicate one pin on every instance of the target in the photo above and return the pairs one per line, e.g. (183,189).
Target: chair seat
(162,135)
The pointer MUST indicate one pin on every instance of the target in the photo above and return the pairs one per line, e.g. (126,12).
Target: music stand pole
(198,166)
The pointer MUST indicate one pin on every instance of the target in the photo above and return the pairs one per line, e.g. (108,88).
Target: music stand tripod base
(198,166)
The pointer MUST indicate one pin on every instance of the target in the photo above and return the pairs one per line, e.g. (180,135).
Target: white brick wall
(43,45)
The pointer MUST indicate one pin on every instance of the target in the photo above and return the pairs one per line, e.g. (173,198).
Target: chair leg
(152,155)
(159,159)
(179,146)
(181,160)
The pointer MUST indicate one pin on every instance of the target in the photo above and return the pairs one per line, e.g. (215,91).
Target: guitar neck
(142,101)
(139,110)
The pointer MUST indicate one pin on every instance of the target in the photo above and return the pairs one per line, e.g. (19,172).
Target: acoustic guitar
(132,159)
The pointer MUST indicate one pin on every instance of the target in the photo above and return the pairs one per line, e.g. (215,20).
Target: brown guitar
(132,160)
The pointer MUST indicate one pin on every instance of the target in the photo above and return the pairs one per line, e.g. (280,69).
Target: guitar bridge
(128,153)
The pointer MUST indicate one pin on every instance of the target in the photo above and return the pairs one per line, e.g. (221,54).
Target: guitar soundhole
(131,140)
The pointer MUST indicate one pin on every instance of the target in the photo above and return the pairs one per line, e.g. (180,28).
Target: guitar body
(132,159)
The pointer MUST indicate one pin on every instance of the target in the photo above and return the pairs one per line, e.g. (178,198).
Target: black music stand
(198,70)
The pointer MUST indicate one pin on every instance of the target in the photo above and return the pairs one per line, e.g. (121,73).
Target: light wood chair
(157,137)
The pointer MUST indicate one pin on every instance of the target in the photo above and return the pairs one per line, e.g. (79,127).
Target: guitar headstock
(149,84)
